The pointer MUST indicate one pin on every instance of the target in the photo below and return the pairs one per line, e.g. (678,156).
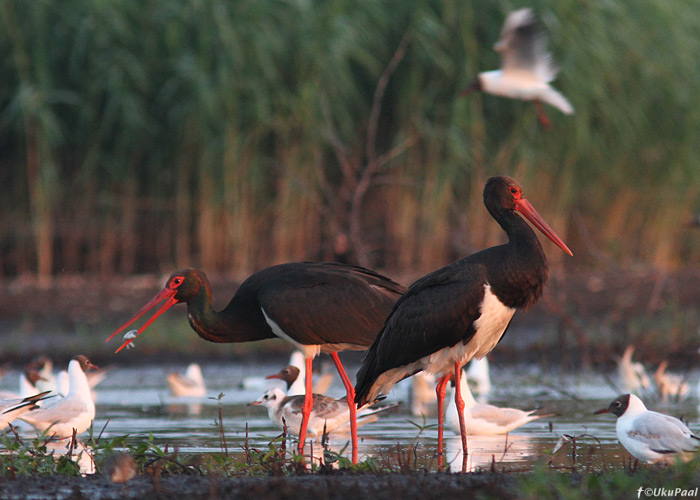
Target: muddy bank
(584,318)
(416,486)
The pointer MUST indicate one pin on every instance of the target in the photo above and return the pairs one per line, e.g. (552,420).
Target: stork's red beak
(164,294)
(524,207)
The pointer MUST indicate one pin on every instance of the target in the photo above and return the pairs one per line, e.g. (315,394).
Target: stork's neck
(235,323)
(519,267)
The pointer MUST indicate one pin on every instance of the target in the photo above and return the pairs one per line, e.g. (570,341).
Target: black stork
(318,307)
(461,311)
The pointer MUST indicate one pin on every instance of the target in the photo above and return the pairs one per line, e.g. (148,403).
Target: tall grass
(139,136)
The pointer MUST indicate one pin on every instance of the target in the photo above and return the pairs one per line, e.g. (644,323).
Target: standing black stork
(461,311)
(318,307)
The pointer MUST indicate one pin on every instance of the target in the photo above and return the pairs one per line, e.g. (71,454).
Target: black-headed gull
(327,412)
(526,66)
(191,384)
(484,419)
(290,375)
(76,410)
(650,436)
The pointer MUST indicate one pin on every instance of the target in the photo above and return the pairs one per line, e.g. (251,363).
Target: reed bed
(141,136)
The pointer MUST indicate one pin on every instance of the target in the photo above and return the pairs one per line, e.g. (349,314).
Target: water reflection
(485,451)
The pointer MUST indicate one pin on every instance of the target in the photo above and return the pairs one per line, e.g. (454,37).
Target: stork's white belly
(490,326)
(489,329)
(310,351)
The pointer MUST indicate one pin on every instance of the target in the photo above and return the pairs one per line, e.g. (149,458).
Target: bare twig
(372,165)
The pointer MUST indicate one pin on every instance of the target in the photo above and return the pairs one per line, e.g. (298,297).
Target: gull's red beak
(602,410)
(164,294)
(274,375)
(524,207)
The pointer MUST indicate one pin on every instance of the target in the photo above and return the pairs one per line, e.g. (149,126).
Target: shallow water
(135,401)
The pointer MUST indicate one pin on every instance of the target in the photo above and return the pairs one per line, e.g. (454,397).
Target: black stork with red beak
(318,307)
(462,310)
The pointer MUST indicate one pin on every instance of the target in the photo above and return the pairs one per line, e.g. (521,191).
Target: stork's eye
(514,190)
(176,281)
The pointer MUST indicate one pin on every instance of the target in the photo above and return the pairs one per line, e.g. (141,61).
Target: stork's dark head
(182,286)
(504,193)
(185,284)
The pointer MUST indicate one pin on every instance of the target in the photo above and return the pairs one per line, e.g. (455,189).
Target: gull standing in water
(632,374)
(76,410)
(526,66)
(191,384)
(484,419)
(650,436)
(327,412)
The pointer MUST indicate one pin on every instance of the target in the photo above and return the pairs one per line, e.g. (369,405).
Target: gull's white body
(297,387)
(653,437)
(526,64)
(60,415)
(484,419)
(191,384)
(478,376)
(632,374)
(670,384)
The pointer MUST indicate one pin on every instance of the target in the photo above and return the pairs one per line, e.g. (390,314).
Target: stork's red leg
(440,390)
(308,405)
(459,402)
(351,403)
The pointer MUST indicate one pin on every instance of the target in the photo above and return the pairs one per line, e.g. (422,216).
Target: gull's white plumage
(191,384)
(485,419)
(527,66)
(650,436)
(11,409)
(60,415)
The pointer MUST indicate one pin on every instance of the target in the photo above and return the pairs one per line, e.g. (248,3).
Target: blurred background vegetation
(230,135)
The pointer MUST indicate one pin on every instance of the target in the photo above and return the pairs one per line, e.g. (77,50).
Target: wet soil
(418,486)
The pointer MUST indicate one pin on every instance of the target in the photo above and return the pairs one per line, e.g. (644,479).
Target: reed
(144,136)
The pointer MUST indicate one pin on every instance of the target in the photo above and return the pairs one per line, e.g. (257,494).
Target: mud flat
(418,486)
